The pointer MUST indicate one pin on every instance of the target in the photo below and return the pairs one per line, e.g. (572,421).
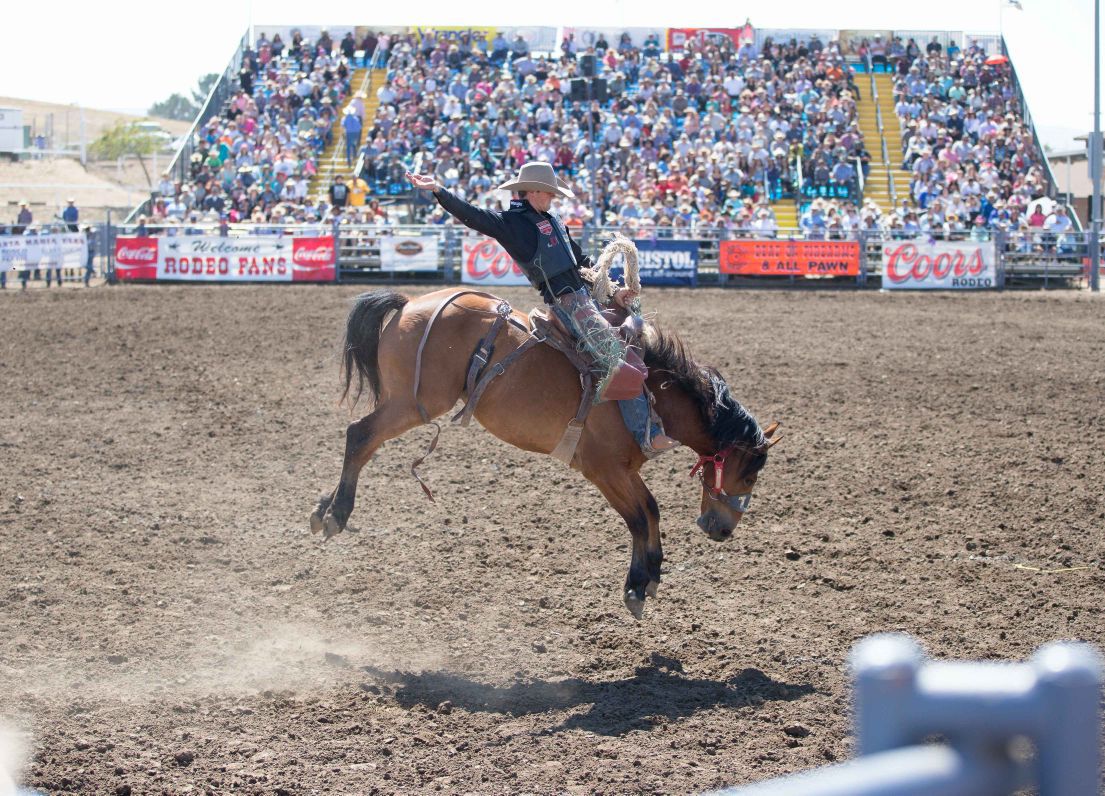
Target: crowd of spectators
(693,142)
(253,162)
(973,161)
(700,139)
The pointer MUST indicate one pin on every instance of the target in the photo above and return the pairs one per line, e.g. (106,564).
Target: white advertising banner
(487,263)
(409,253)
(62,250)
(939,265)
(206,258)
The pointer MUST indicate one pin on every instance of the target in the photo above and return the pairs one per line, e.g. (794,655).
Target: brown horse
(529,407)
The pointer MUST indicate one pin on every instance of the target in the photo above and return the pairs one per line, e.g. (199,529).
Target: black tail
(362,340)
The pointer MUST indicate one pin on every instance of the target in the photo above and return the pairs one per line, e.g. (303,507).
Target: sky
(127,54)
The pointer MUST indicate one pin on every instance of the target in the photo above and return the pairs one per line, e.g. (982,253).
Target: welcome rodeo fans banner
(939,265)
(485,262)
(408,253)
(20,252)
(789,258)
(203,258)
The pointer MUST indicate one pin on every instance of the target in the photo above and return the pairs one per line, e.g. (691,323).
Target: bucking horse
(527,395)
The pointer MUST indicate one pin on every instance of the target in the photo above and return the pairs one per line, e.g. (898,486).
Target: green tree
(182,108)
(176,106)
(203,88)
(125,139)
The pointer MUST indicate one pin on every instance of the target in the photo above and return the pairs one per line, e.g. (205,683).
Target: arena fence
(1005,727)
(718,257)
(451,254)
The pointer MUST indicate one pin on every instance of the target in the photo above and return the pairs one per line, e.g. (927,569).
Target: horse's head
(728,478)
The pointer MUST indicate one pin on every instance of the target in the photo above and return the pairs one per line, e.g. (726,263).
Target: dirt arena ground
(168,624)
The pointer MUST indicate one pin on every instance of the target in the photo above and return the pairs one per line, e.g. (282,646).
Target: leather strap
(464,416)
(418,375)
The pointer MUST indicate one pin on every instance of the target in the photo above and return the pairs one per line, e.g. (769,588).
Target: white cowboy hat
(537,176)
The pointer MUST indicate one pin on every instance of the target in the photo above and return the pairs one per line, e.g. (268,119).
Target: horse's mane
(727,421)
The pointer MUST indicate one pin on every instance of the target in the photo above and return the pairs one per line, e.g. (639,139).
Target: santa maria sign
(939,265)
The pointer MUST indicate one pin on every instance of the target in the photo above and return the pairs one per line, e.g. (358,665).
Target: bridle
(715,491)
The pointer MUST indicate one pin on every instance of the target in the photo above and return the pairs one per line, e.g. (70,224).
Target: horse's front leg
(629,496)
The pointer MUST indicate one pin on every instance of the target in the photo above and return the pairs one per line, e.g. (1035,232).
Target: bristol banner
(203,258)
(939,265)
(665,262)
(487,263)
(62,250)
(408,253)
(789,258)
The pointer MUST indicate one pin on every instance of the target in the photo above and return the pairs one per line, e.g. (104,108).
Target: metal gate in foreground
(998,727)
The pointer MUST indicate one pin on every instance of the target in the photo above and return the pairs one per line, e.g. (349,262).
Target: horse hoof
(331,527)
(316,523)
(634,604)
(650,589)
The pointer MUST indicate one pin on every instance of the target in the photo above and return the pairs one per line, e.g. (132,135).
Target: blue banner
(665,262)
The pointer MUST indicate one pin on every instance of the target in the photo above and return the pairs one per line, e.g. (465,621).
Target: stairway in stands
(786,214)
(332,161)
(877,185)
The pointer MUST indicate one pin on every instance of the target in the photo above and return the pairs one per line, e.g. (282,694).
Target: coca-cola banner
(409,253)
(22,252)
(943,265)
(487,263)
(204,258)
(789,258)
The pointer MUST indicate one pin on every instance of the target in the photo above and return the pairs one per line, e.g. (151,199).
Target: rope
(602,287)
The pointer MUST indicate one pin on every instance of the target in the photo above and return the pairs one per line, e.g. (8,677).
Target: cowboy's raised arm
(486,222)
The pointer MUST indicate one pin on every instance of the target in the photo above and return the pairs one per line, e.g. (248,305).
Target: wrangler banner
(203,258)
(22,252)
(408,253)
(939,265)
(789,258)
(487,263)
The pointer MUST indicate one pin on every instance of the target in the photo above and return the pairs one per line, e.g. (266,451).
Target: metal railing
(990,713)
(1036,257)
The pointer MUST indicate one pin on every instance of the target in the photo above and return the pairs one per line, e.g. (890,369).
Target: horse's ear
(769,444)
(771,429)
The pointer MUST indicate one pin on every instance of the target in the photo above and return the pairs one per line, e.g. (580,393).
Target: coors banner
(203,258)
(943,265)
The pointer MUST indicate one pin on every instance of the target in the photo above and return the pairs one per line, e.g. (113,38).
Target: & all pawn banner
(206,258)
(938,265)
(789,257)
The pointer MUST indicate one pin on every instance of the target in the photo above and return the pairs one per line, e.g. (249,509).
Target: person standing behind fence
(90,261)
(24,219)
(70,214)
(352,126)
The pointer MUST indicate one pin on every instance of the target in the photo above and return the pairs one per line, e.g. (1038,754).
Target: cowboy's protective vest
(554,255)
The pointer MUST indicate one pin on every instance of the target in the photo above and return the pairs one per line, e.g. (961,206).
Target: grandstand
(714,134)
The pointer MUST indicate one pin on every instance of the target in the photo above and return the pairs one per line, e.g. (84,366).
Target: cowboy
(544,250)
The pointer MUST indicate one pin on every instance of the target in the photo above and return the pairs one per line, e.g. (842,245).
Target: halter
(737,503)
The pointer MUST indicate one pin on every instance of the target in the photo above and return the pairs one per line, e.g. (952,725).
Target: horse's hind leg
(362,439)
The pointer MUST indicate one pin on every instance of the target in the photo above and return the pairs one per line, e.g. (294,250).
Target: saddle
(625,382)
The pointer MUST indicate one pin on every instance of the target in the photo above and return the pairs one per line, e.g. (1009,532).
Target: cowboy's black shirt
(517,235)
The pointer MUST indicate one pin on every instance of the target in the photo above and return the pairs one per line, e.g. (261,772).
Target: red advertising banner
(789,258)
(677,37)
(487,263)
(203,258)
